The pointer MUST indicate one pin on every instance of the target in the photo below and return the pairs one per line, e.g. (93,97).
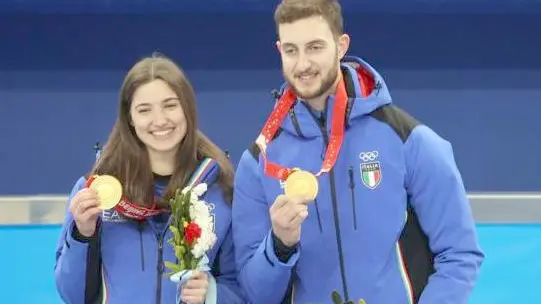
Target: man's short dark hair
(289,11)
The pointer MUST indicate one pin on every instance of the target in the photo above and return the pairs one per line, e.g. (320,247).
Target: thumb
(196,274)
(199,275)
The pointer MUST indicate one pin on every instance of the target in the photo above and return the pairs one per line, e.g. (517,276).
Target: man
(343,190)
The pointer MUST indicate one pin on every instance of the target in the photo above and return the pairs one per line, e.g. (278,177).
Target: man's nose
(303,63)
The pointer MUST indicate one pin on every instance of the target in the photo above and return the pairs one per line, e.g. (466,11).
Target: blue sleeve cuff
(273,259)
(73,246)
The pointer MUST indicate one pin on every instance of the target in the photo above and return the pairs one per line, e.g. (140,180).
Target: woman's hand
(195,289)
(85,209)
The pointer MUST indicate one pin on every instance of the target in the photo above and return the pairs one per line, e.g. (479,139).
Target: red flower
(191,233)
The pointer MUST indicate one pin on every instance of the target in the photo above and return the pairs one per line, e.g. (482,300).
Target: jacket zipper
(160,269)
(352,190)
(141,247)
(323,128)
(318,216)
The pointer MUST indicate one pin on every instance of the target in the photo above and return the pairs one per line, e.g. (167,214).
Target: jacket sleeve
(262,275)
(440,201)
(70,267)
(228,290)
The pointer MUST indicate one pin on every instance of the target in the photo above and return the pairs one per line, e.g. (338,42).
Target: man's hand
(287,215)
(195,289)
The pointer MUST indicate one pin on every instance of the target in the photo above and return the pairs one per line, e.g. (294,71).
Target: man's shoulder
(398,119)
(254,149)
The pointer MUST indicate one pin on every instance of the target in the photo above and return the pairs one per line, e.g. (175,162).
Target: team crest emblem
(370,169)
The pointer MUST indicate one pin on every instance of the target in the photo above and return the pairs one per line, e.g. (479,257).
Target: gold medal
(301,183)
(109,190)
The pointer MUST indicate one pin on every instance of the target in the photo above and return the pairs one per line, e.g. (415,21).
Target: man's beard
(326,84)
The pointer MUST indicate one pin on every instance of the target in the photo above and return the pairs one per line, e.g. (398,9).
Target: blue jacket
(391,223)
(132,254)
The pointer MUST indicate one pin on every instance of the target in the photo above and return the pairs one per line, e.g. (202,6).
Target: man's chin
(306,93)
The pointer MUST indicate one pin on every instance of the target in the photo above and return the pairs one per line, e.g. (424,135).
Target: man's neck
(318,103)
(162,163)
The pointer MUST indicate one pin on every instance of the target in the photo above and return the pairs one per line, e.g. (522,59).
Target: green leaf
(176,234)
(169,274)
(179,252)
(336,298)
(180,210)
(361,301)
(193,263)
(174,267)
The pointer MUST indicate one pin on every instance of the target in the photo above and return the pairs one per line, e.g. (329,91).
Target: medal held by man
(301,183)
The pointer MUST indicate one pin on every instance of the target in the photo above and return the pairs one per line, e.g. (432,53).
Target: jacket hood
(366,92)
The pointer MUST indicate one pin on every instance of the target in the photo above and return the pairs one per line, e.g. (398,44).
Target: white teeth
(162,133)
(305,77)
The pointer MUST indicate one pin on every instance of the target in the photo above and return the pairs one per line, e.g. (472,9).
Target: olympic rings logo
(368,156)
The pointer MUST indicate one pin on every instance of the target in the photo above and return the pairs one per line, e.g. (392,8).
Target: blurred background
(470,69)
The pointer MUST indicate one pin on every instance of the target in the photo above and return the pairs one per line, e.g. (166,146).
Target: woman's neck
(162,163)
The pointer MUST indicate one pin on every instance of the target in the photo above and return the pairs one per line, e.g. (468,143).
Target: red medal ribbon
(275,119)
(131,210)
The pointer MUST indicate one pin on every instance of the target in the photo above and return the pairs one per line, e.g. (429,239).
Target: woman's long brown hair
(125,156)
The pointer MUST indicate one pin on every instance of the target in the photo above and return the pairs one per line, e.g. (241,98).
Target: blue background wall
(466,68)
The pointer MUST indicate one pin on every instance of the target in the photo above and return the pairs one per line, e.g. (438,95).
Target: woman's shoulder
(79,184)
(207,171)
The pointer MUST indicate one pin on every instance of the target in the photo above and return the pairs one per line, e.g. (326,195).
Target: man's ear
(278,45)
(343,45)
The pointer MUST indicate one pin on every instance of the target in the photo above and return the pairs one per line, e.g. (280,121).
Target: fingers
(193,296)
(86,194)
(197,281)
(293,212)
(200,275)
(299,218)
(90,214)
(288,209)
(83,195)
(192,299)
(279,202)
(302,200)
(85,204)
(195,290)
(283,201)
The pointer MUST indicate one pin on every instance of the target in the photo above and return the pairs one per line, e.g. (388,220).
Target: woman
(153,149)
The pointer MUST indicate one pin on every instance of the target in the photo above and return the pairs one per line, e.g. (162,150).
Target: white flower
(186,189)
(197,191)
(193,199)
(201,214)
(200,189)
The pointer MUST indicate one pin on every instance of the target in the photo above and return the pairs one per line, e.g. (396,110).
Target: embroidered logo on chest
(112,215)
(370,168)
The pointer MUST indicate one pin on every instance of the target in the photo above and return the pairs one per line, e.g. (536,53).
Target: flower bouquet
(192,226)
